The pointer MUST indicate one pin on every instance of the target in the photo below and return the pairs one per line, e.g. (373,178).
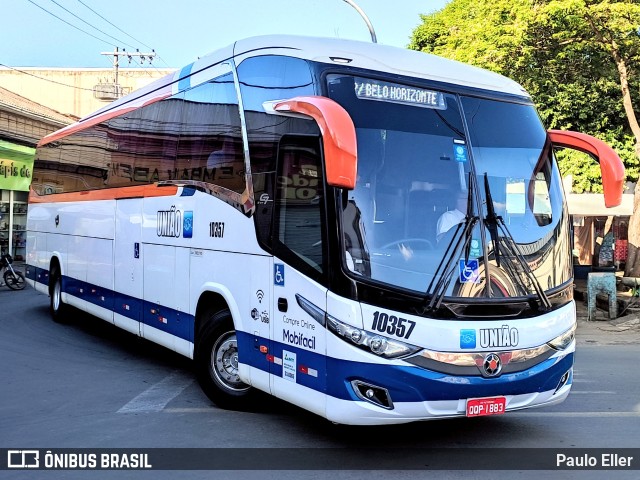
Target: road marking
(191,410)
(156,397)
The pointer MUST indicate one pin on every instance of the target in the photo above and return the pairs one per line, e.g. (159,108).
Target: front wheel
(216,363)
(14,280)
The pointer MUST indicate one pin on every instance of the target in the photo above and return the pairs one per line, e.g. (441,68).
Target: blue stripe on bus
(39,275)
(415,384)
(185,80)
(161,317)
(405,383)
(249,353)
(30,272)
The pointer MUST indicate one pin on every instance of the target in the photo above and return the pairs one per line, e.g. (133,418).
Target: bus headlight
(374,343)
(562,341)
(377,344)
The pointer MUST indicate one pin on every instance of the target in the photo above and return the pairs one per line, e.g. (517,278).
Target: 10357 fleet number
(392,325)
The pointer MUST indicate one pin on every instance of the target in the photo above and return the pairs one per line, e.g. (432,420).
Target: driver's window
(298,221)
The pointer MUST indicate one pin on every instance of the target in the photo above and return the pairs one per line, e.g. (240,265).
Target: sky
(180,31)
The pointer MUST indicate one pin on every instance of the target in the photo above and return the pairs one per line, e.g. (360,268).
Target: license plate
(479,407)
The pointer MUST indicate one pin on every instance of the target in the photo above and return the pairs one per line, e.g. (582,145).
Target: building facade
(22,124)
(76,91)
(35,102)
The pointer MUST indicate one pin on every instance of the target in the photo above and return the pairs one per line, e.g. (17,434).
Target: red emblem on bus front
(491,365)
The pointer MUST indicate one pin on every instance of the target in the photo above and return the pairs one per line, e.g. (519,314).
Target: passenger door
(299,271)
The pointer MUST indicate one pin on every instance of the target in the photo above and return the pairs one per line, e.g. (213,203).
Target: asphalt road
(90,385)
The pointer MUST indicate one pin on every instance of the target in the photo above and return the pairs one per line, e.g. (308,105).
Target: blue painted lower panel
(161,317)
(37,274)
(415,384)
(249,353)
(405,383)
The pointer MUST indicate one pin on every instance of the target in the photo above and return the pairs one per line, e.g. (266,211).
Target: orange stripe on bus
(136,191)
(79,126)
(84,124)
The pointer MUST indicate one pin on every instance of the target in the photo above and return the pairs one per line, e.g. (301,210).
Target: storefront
(600,233)
(16,166)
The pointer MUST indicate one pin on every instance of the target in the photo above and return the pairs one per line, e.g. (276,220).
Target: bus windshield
(428,161)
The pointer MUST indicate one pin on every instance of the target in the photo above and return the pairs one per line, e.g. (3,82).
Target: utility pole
(116,60)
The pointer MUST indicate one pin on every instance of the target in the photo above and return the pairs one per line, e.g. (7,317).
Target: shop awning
(592,205)
(16,166)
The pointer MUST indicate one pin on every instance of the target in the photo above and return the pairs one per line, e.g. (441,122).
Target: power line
(146,70)
(70,24)
(45,79)
(92,26)
(113,25)
(127,34)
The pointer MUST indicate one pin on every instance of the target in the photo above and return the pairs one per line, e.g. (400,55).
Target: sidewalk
(602,330)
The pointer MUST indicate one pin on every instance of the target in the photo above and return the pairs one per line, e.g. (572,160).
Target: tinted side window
(138,147)
(193,135)
(143,144)
(264,79)
(273,77)
(300,204)
(210,147)
(63,167)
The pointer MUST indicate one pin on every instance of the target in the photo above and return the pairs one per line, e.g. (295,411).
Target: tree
(579,60)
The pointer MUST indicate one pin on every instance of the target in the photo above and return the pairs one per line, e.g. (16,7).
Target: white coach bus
(374,234)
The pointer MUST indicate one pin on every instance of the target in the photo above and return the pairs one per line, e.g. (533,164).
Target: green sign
(16,166)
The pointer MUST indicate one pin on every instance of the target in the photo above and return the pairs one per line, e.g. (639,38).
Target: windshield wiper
(457,244)
(496,225)
(491,221)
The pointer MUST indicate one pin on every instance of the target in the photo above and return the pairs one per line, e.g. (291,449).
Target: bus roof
(371,56)
(383,58)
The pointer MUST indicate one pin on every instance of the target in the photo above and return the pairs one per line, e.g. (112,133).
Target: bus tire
(58,309)
(216,363)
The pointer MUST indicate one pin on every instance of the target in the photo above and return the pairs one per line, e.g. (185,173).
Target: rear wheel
(216,362)
(14,280)
(57,307)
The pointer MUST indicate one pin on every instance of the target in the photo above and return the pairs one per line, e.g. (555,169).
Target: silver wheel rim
(224,362)
(56,295)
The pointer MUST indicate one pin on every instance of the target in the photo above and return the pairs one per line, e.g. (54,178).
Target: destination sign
(397,93)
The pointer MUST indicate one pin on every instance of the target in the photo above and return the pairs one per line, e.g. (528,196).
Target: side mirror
(611,167)
(338,136)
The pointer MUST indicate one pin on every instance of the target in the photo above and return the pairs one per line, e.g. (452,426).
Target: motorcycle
(12,278)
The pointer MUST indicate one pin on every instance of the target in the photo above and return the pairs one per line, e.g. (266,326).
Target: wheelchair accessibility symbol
(278,274)
(469,271)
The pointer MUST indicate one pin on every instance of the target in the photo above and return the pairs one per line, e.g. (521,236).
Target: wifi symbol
(260,295)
